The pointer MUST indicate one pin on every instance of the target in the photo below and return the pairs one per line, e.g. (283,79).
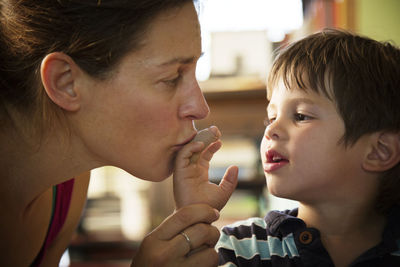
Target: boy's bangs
(300,73)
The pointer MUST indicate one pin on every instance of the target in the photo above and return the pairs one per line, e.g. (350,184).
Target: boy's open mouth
(274,161)
(274,157)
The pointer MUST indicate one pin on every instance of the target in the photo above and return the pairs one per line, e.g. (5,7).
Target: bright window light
(275,17)
(249,15)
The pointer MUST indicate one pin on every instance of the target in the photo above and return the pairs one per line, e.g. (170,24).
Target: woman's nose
(195,106)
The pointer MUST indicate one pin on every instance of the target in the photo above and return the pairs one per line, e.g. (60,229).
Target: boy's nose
(271,132)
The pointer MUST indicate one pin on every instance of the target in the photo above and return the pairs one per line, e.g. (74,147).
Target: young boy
(333,144)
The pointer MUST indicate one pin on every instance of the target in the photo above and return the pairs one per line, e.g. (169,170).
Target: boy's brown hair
(360,75)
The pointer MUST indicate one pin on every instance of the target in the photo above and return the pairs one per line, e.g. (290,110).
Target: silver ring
(187,239)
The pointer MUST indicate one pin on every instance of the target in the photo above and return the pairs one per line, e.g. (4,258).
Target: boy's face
(300,151)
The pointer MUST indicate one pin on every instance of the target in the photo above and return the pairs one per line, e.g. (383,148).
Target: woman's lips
(274,161)
(179,146)
(188,140)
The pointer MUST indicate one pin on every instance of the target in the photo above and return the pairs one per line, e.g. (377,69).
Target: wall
(379,20)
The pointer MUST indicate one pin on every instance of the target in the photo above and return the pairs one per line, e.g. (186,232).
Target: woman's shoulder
(77,203)
(24,231)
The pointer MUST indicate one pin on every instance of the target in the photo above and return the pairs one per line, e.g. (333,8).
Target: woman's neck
(31,166)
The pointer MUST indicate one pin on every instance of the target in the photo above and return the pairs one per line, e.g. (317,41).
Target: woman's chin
(153,175)
(157,178)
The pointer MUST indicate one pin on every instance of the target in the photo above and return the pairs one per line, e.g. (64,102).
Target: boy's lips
(274,161)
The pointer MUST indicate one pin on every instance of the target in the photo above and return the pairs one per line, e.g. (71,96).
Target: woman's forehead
(173,36)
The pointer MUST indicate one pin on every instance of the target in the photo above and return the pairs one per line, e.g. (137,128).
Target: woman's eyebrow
(180,60)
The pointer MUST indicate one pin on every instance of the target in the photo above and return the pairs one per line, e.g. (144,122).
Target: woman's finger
(197,236)
(193,238)
(207,257)
(166,245)
(183,218)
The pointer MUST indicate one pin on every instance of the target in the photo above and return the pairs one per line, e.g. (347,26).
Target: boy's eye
(301,117)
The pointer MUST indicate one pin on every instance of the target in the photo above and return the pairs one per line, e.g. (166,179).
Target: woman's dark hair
(96,34)
(360,75)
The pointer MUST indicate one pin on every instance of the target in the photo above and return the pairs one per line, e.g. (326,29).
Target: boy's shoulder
(262,237)
(275,224)
(283,239)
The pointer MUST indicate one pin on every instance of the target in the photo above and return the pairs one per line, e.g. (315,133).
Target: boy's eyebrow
(295,101)
(303,100)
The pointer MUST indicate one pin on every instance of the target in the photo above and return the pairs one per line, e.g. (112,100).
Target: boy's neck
(343,229)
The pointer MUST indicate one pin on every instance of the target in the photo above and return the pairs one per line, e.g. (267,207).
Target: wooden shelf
(236,113)
(239,114)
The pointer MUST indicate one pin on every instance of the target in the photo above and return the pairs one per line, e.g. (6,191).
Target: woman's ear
(59,72)
(384,152)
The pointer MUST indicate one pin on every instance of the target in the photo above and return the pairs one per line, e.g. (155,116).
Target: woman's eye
(301,117)
(173,82)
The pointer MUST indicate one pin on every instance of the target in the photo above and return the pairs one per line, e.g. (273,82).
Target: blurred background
(239,38)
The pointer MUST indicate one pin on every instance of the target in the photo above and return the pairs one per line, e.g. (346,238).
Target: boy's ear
(384,152)
(59,72)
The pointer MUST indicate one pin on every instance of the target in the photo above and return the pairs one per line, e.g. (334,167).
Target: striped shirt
(282,239)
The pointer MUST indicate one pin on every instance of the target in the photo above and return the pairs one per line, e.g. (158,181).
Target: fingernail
(214,130)
(216,212)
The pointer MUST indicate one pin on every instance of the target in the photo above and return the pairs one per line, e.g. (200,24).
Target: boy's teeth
(276,158)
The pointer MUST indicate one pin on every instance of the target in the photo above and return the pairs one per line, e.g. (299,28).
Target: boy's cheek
(263,149)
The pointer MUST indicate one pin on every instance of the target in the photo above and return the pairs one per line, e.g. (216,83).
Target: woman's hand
(191,184)
(167,247)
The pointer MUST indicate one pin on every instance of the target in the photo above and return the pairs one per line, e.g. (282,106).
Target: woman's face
(138,119)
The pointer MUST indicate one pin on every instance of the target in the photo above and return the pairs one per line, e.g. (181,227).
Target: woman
(89,83)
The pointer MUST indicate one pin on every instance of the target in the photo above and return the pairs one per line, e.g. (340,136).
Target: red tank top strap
(61,204)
